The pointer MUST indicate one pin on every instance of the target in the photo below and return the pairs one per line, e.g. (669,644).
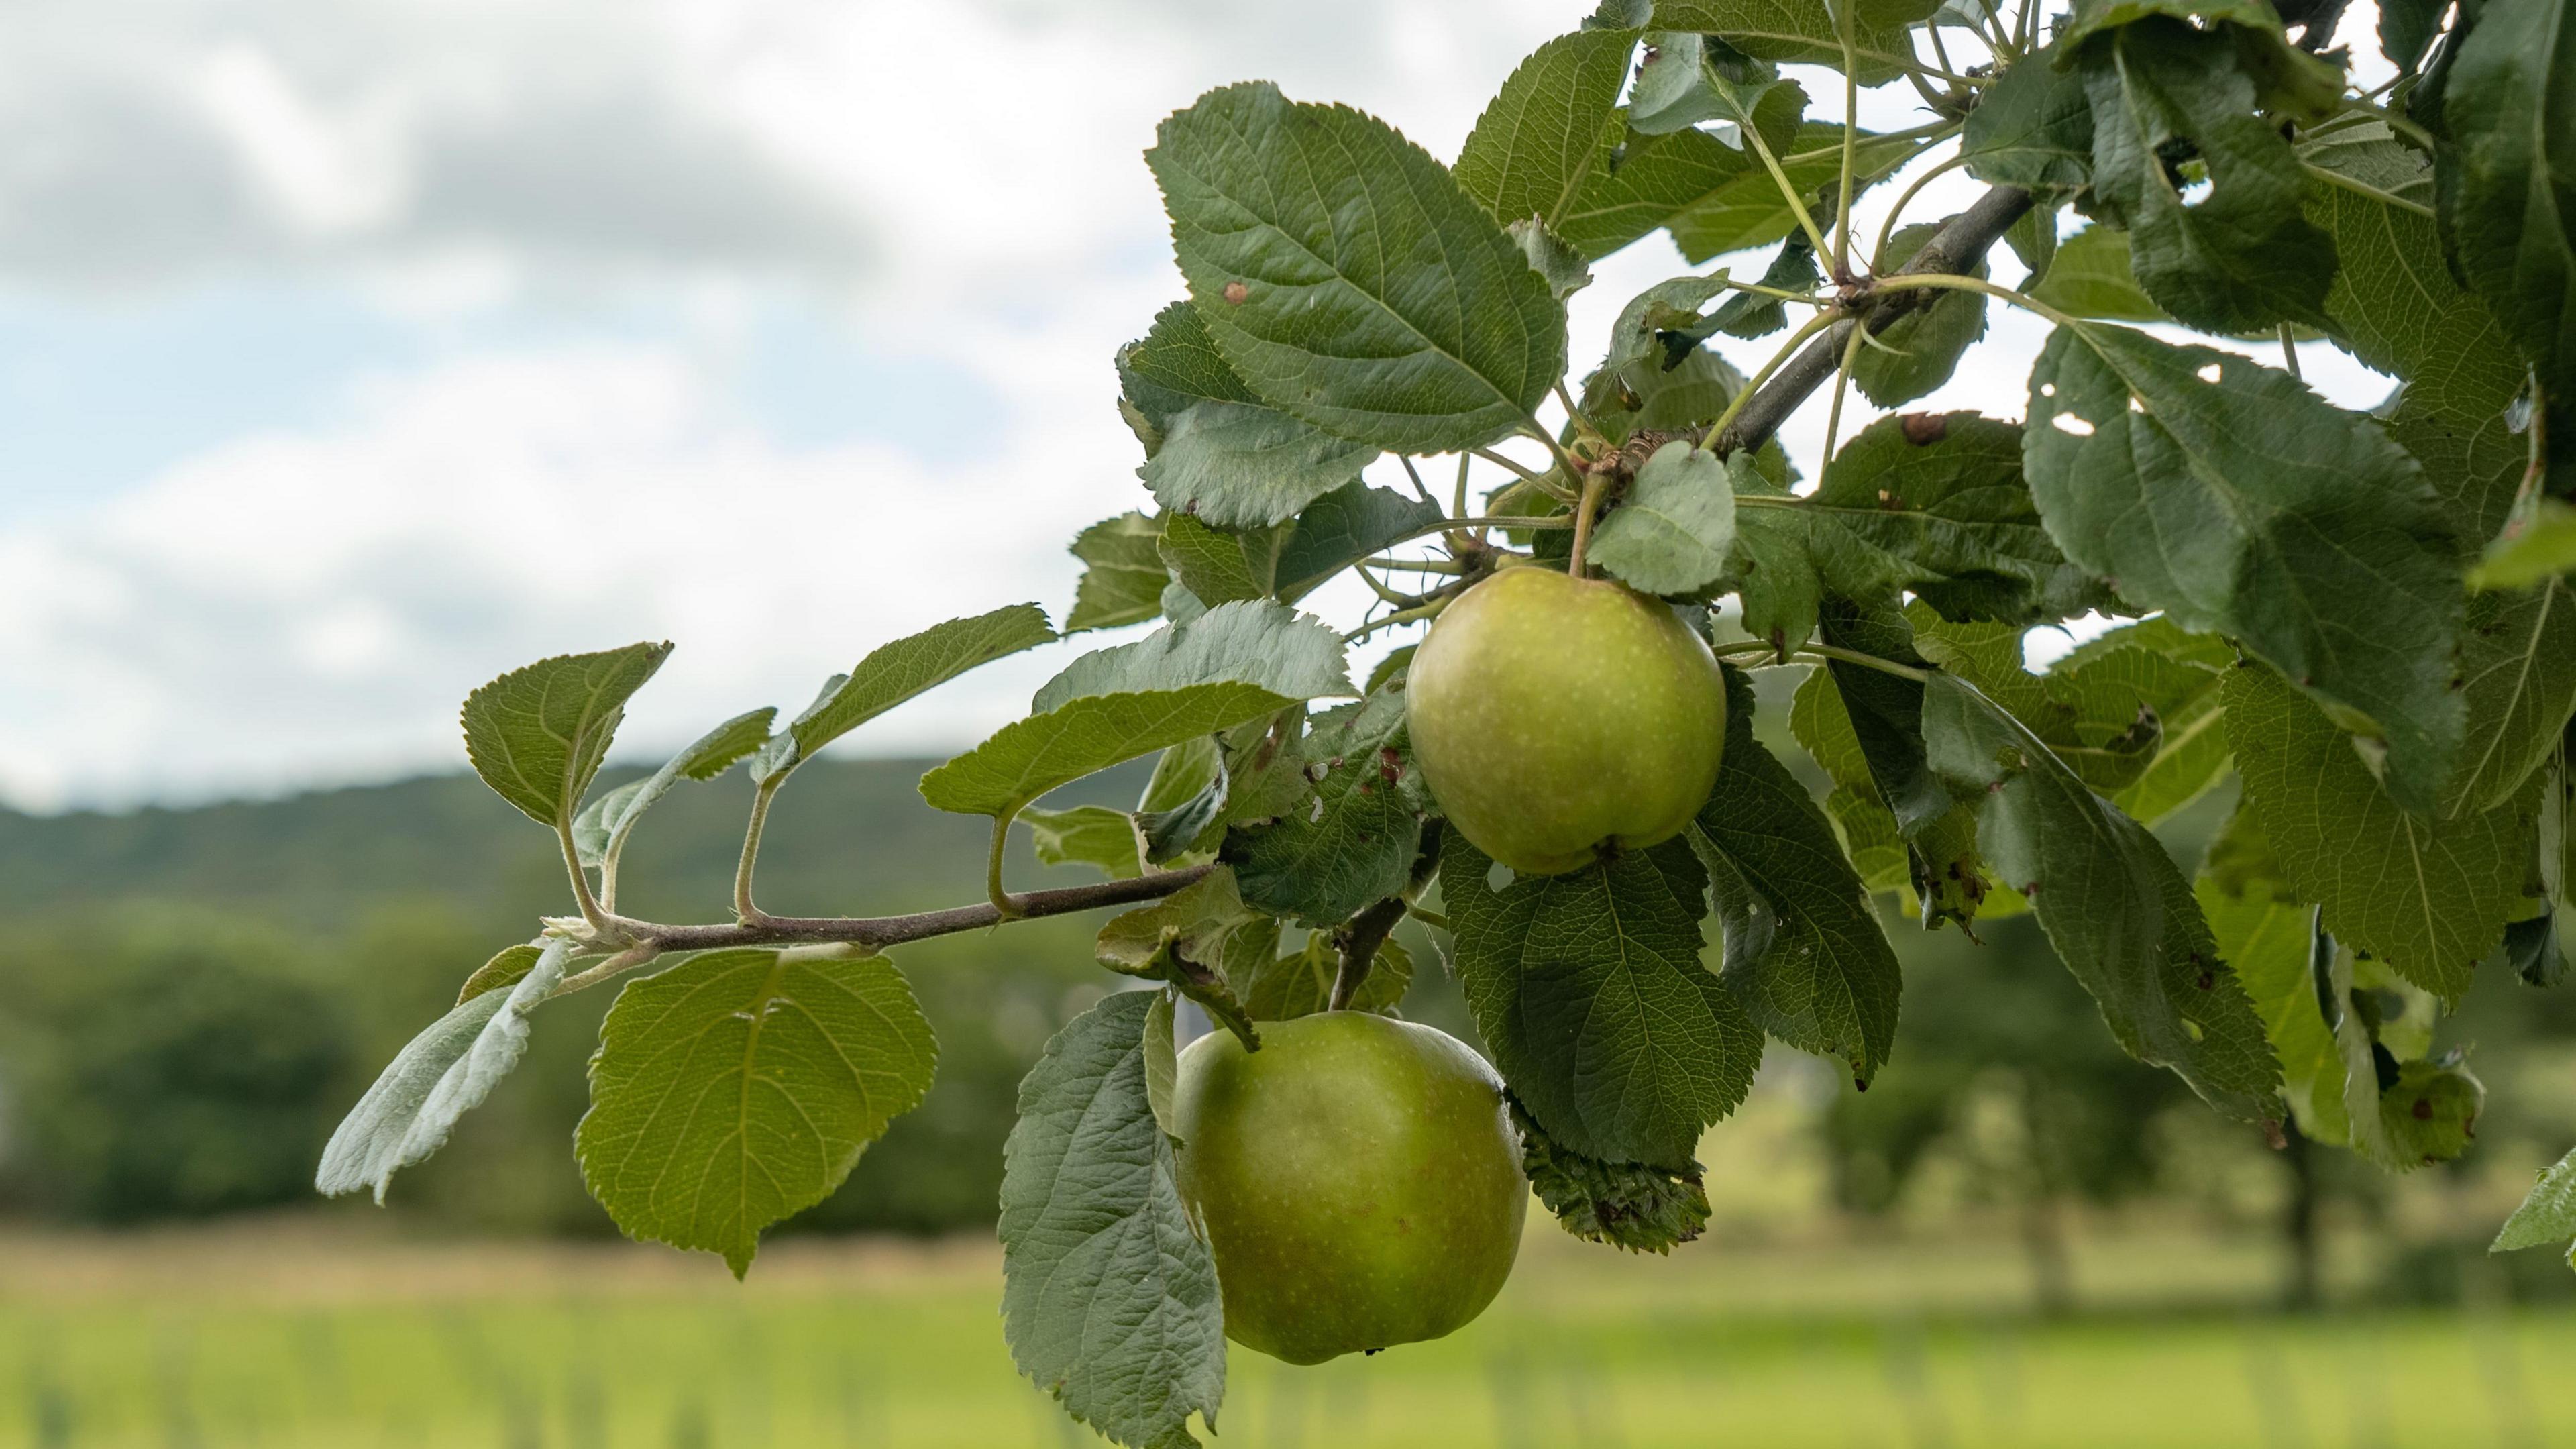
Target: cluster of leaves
(2367,618)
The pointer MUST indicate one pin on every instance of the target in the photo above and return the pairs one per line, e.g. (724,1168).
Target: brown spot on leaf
(2208,979)
(1235,293)
(1925,429)
(2273,1136)
(2423,1109)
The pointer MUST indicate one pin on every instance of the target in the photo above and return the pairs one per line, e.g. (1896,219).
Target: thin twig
(1842,385)
(1411,472)
(1843,23)
(1005,905)
(1754,389)
(1905,198)
(591,910)
(1594,483)
(1819,653)
(743,909)
(1535,480)
(1797,203)
(2364,188)
(879,932)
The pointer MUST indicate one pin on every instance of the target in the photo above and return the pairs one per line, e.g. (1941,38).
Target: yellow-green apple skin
(1557,719)
(1358,1179)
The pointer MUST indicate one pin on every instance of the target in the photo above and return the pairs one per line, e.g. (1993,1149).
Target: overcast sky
(351,353)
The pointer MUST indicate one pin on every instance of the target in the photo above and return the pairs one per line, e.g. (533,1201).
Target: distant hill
(846,837)
(358,911)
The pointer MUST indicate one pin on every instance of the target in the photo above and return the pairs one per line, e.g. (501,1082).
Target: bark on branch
(877,932)
(1954,249)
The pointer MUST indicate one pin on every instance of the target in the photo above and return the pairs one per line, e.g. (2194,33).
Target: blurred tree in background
(167,1070)
(262,959)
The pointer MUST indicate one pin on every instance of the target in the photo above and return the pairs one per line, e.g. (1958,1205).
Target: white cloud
(958,184)
(291,608)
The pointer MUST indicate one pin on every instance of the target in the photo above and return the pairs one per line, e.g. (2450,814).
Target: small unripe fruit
(1358,1179)
(1558,718)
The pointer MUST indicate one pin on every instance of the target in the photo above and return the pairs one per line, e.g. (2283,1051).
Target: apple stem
(1359,940)
(1593,484)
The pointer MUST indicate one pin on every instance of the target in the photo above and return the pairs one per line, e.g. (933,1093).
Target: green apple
(1558,718)
(1357,1177)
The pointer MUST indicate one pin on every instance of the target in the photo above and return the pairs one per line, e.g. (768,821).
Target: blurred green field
(307,1335)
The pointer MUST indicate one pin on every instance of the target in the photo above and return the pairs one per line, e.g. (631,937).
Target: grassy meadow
(313,1333)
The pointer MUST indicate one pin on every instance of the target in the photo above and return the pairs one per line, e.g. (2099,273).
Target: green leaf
(1772,567)
(1243,465)
(2508,198)
(1550,129)
(1341,528)
(1749,211)
(1237,662)
(1939,861)
(1593,999)
(2177,675)
(1804,951)
(1351,838)
(1109,1299)
(1378,301)
(438,1077)
(2406,30)
(1803,31)
(1123,577)
(2267,934)
(2518,674)
(1162,1064)
(2395,306)
(2244,256)
(1934,503)
(1551,256)
(2547,1214)
(1300,983)
(508,967)
(1886,710)
(2110,900)
(1924,345)
(2092,17)
(1655,178)
(739,1087)
(1189,780)
(2032,129)
(2545,548)
(1654,376)
(2231,497)
(610,818)
(1171,369)
(2094,719)
(1674,531)
(1202,939)
(1295,656)
(1639,1209)
(1671,92)
(2428,897)
(2090,277)
(1823,728)
(906,668)
(1092,835)
(2287,81)
(537,735)
(1217,565)
(1792,269)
